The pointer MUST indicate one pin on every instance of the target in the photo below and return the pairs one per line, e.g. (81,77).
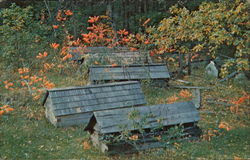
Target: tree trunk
(180,71)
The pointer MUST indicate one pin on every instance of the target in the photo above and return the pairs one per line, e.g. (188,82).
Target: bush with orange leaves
(183,94)
(34,83)
(5,109)
(238,102)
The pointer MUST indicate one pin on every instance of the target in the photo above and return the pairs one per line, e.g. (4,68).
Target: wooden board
(130,72)
(117,120)
(146,141)
(75,105)
(104,55)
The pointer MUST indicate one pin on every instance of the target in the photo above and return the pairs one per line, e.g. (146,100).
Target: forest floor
(25,133)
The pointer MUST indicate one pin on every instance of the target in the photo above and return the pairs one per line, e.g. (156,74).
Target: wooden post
(180,65)
(196,93)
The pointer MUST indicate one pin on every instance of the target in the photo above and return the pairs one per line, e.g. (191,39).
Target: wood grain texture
(117,120)
(118,55)
(75,105)
(130,72)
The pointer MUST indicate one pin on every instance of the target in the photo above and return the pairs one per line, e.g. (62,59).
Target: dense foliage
(215,30)
(21,36)
(34,57)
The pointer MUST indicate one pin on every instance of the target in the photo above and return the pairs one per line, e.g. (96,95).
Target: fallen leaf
(86,145)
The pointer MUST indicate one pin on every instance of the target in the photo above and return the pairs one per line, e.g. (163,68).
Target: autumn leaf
(172,99)
(225,125)
(237,158)
(55,26)
(185,93)
(1,112)
(68,12)
(133,49)
(93,19)
(146,22)
(86,145)
(55,45)
(114,65)
(134,137)
(122,32)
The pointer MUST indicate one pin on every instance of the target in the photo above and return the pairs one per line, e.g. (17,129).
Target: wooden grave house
(106,126)
(105,55)
(75,105)
(104,73)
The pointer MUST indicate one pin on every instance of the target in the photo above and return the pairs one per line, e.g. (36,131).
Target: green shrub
(214,29)
(21,36)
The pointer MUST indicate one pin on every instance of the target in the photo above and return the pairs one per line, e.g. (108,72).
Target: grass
(26,134)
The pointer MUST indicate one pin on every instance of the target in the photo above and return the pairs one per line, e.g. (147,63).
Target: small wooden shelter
(104,55)
(75,105)
(111,123)
(128,72)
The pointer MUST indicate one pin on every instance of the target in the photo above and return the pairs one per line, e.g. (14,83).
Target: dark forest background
(129,14)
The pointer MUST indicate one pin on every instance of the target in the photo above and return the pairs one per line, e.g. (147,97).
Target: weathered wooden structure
(75,105)
(104,55)
(128,72)
(111,123)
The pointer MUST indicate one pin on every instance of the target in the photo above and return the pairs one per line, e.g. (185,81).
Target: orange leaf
(1,112)
(55,26)
(86,145)
(54,45)
(172,99)
(146,22)
(114,65)
(147,42)
(134,137)
(93,19)
(133,49)
(68,12)
(7,110)
(224,125)
(185,93)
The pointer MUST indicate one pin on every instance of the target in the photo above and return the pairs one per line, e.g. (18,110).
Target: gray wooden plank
(132,73)
(91,89)
(170,114)
(93,86)
(159,75)
(142,73)
(72,122)
(93,94)
(156,112)
(69,99)
(141,68)
(103,102)
(99,107)
(129,76)
(75,119)
(131,65)
(121,76)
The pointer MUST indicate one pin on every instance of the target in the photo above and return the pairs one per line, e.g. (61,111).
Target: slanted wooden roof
(121,58)
(128,72)
(106,49)
(117,120)
(73,100)
(77,52)
(118,55)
